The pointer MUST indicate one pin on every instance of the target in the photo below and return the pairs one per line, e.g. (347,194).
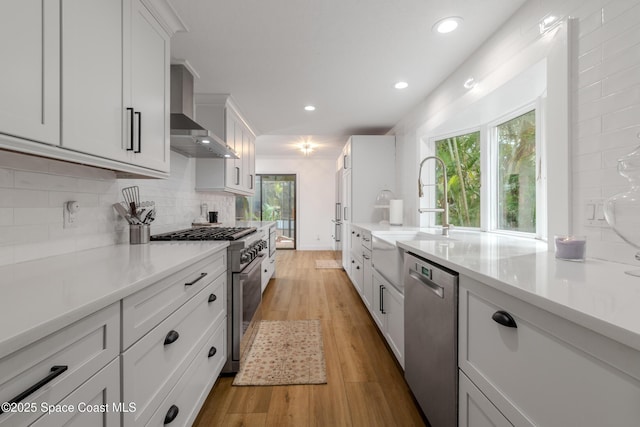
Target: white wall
(605,109)
(33,190)
(315,196)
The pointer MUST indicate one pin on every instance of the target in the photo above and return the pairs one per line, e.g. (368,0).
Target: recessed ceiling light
(310,108)
(401,85)
(446,25)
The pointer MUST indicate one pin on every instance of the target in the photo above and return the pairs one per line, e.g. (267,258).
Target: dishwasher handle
(437,289)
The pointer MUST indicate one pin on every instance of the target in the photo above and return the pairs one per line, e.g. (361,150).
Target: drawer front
(95,403)
(474,409)
(83,347)
(540,373)
(194,386)
(151,367)
(268,268)
(145,309)
(366,239)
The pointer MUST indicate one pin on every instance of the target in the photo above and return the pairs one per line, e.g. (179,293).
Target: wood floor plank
(365,385)
(289,407)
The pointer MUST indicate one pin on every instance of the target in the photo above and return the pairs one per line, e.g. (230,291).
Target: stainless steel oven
(245,309)
(247,249)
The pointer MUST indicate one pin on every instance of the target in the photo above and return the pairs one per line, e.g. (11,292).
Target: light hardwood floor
(365,386)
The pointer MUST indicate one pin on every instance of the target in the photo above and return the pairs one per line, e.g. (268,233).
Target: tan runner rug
(285,352)
(327,263)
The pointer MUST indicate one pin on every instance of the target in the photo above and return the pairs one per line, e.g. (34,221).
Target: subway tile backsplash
(33,191)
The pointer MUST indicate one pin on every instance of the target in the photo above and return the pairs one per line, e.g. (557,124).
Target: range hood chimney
(188,137)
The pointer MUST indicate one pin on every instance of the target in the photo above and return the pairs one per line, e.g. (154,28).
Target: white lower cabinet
(474,409)
(95,403)
(183,402)
(65,359)
(153,365)
(367,279)
(538,369)
(268,270)
(388,313)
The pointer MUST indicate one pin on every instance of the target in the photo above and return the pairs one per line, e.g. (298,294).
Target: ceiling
(342,56)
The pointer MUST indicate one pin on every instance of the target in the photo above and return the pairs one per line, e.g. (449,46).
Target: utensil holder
(139,234)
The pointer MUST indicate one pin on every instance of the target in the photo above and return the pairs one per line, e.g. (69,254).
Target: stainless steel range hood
(187,136)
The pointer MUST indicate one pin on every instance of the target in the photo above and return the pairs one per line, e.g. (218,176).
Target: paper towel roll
(395,212)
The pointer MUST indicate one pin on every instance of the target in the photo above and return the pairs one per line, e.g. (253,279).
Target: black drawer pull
(139,114)
(55,371)
(172,413)
(212,297)
(212,351)
(194,281)
(504,318)
(171,337)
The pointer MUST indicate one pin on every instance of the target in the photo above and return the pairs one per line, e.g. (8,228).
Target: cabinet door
(233,137)
(377,310)
(148,65)
(94,403)
(393,304)
(252,164)
(367,280)
(30,76)
(474,409)
(92,115)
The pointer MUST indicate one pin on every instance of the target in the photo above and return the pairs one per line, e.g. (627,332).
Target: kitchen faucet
(445,210)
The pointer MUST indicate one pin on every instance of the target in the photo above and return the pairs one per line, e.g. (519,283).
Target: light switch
(590,211)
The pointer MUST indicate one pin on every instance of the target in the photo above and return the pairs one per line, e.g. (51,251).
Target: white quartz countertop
(44,295)
(595,294)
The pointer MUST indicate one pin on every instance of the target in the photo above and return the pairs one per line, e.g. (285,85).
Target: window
(461,156)
(491,176)
(516,167)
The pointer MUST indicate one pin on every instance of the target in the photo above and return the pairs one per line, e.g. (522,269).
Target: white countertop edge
(601,326)
(51,325)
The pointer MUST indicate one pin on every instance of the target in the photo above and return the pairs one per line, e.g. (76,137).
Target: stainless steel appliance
(244,293)
(430,325)
(337,220)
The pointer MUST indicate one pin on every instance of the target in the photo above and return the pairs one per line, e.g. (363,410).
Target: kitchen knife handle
(171,337)
(194,281)
(139,114)
(172,413)
(55,371)
(130,147)
(504,318)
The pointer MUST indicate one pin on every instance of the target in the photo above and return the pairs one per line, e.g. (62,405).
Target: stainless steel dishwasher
(431,344)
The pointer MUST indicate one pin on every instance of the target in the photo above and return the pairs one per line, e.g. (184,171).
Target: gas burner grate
(206,233)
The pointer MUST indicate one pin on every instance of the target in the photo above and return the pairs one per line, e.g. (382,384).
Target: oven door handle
(249,269)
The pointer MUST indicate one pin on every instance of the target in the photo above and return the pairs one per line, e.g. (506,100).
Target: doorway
(276,196)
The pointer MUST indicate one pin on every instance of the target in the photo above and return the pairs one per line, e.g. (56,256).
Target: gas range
(245,244)
(207,233)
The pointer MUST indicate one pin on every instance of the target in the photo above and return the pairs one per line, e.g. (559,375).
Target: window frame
(489,171)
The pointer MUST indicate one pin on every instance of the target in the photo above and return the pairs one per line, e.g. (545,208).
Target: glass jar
(622,211)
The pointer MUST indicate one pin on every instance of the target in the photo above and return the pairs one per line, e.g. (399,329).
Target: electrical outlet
(70,214)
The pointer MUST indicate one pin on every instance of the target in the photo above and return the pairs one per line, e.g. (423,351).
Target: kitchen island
(541,341)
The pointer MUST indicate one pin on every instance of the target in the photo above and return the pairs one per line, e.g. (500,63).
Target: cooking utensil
(132,197)
(124,213)
(149,217)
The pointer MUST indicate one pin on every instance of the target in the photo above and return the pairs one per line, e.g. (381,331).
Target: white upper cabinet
(219,114)
(115,82)
(90,79)
(30,76)
(92,70)
(149,88)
